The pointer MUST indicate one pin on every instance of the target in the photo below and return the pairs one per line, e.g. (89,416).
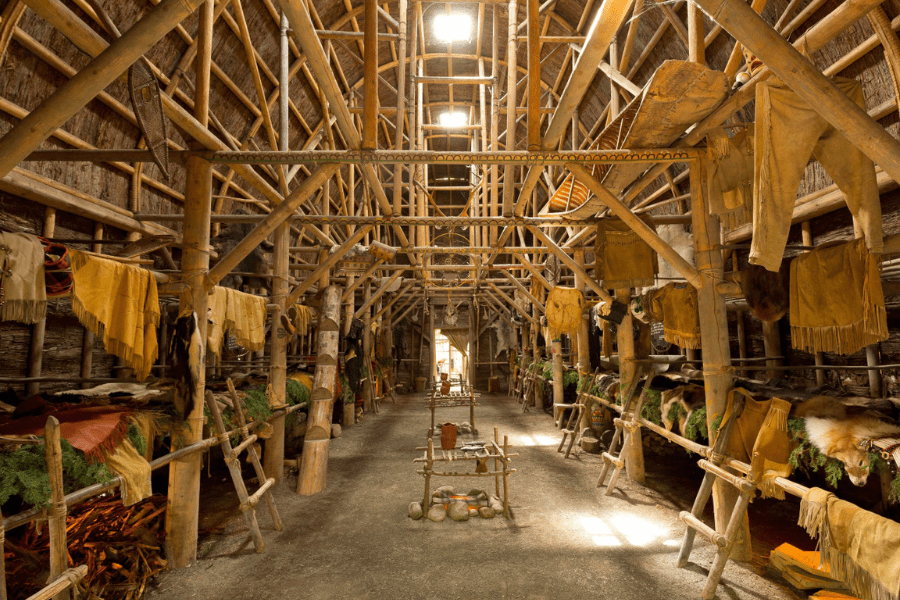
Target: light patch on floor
(546,440)
(619,529)
(526,440)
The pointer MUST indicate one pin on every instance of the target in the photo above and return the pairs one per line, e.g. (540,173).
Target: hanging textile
(119,303)
(242,315)
(675,306)
(861,548)
(837,304)
(23,295)
(729,174)
(133,469)
(88,428)
(760,437)
(459,339)
(624,259)
(564,306)
(57,269)
(788,131)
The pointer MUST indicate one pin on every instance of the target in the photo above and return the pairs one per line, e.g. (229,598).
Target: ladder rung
(708,532)
(236,451)
(254,499)
(618,462)
(738,482)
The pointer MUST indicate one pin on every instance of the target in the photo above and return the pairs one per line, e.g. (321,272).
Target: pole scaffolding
(421,221)
(383,157)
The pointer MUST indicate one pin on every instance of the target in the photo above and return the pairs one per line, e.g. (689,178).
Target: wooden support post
(370,76)
(511,71)
(432,377)
(366,316)
(714,339)
(633,451)
(556,355)
(584,351)
(401,104)
(39,329)
(183,505)
(87,343)
(56,520)
(314,459)
(495,121)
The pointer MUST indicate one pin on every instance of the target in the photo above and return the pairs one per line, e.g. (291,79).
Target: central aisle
(565,540)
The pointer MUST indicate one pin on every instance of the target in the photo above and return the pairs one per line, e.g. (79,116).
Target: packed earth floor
(565,539)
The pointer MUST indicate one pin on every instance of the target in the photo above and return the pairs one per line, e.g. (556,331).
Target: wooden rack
(464,397)
(499,454)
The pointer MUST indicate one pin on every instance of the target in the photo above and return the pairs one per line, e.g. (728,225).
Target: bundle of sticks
(121,546)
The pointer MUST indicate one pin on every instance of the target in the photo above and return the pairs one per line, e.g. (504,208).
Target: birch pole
(314,459)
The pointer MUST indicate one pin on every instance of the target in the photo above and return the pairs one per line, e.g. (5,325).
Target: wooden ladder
(724,541)
(528,385)
(572,425)
(232,460)
(627,423)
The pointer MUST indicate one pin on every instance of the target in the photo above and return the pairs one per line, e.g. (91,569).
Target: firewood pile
(121,546)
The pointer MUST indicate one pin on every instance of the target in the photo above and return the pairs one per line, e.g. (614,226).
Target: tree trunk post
(314,459)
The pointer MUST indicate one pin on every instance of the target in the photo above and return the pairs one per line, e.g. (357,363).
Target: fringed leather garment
(788,131)
(837,303)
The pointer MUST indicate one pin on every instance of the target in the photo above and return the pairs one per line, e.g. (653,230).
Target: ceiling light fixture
(453,119)
(453,27)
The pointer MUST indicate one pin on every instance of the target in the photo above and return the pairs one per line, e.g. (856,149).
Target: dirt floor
(565,540)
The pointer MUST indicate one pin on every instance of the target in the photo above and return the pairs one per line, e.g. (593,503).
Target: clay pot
(444,376)
(448,436)
(445,388)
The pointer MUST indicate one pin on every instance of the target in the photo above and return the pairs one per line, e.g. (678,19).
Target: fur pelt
(185,360)
(682,242)
(838,433)
(767,292)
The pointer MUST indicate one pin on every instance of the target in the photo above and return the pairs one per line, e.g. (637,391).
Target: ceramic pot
(445,388)
(444,376)
(448,436)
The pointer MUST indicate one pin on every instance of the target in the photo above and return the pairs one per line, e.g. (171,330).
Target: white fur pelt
(506,337)
(681,241)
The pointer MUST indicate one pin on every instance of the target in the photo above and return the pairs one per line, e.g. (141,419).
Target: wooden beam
(534,272)
(808,82)
(511,302)
(72,95)
(351,289)
(570,262)
(325,265)
(534,301)
(371,300)
(271,221)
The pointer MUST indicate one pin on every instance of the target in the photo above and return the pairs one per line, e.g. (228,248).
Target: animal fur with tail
(836,431)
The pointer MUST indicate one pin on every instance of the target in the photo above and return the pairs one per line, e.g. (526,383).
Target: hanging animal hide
(564,306)
(185,360)
(681,242)
(506,337)
(766,292)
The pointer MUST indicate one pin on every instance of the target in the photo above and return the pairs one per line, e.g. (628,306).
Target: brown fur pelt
(691,397)
(838,431)
(767,292)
